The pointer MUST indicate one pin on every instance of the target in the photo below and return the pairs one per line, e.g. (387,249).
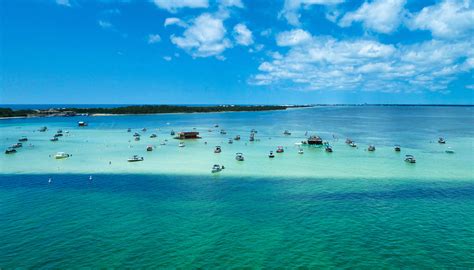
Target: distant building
(188,135)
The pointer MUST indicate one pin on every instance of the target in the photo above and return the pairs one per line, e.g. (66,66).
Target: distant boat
(441,140)
(129,130)
(149,148)
(353,144)
(17,145)
(172,133)
(316,140)
(286,132)
(43,129)
(10,150)
(81,123)
(300,151)
(61,155)
(137,138)
(135,158)
(271,155)
(328,149)
(181,144)
(449,150)
(239,157)
(371,148)
(143,129)
(237,137)
(397,148)
(223,132)
(23,139)
(410,159)
(280,149)
(54,139)
(153,135)
(216,168)
(231,141)
(349,141)
(217,149)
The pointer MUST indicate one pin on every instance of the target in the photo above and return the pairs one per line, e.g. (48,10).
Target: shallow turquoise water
(191,222)
(348,209)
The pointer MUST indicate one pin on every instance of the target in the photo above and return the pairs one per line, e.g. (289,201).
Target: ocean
(348,209)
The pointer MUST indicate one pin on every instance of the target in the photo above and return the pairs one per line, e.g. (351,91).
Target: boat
(181,144)
(143,129)
(397,148)
(271,155)
(237,138)
(10,150)
(59,131)
(137,138)
(136,134)
(223,132)
(43,129)
(54,139)
(316,140)
(153,135)
(349,141)
(252,137)
(129,130)
(441,140)
(217,150)
(328,149)
(300,151)
(58,135)
(239,157)
(280,149)
(231,141)
(410,159)
(17,145)
(216,168)
(353,144)
(286,132)
(253,131)
(135,158)
(172,133)
(371,148)
(216,125)
(61,155)
(81,123)
(149,148)
(163,143)
(449,150)
(23,139)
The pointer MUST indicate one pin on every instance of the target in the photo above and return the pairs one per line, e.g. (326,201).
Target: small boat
(239,157)
(328,149)
(216,168)
(58,135)
(181,144)
(217,150)
(397,148)
(237,138)
(129,130)
(61,155)
(149,148)
(81,123)
(223,132)
(349,141)
(54,139)
(136,135)
(23,139)
(315,140)
(300,151)
(410,159)
(252,137)
(17,145)
(163,143)
(143,129)
(172,133)
(216,125)
(137,138)
(43,129)
(353,144)
(10,150)
(153,135)
(271,155)
(449,150)
(371,148)
(286,132)
(231,141)
(441,140)
(59,131)
(135,158)
(280,149)
(253,131)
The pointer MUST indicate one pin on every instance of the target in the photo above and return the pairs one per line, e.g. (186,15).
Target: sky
(236,51)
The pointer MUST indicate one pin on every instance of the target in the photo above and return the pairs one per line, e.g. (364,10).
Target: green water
(141,221)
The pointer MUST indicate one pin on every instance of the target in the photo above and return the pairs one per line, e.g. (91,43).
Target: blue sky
(237,51)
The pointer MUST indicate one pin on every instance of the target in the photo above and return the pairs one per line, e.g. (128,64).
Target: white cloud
(206,36)
(293,37)
(266,32)
(174,21)
(243,36)
(174,5)
(447,19)
(383,16)
(325,63)
(231,3)
(292,7)
(105,24)
(167,58)
(63,3)
(153,38)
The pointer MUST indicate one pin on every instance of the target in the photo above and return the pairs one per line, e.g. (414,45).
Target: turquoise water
(352,209)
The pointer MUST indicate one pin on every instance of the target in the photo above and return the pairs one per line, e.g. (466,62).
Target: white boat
(216,168)
(352,144)
(239,157)
(441,140)
(397,148)
(300,151)
(450,150)
(81,123)
(410,159)
(271,155)
(328,149)
(181,144)
(218,149)
(135,158)
(371,148)
(61,155)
